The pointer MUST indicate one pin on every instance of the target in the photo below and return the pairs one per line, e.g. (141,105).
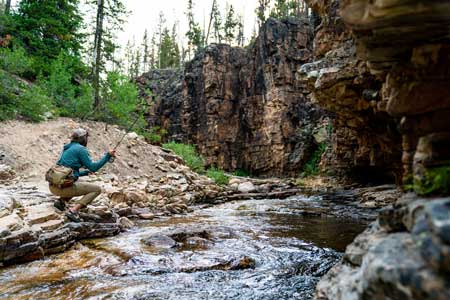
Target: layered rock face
(243,108)
(406,253)
(366,143)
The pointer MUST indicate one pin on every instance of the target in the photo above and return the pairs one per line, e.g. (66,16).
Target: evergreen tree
(261,11)
(230,25)
(281,9)
(45,28)
(145,52)
(109,19)
(169,51)
(217,22)
(153,57)
(194,34)
(160,32)
(240,38)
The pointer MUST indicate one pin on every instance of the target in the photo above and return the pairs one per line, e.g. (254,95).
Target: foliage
(34,104)
(45,28)
(263,6)
(155,135)
(71,99)
(169,51)
(286,8)
(194,35)
(16,61)
(312,165)
(242,173)
(435,181)
(218,176)
(217,22)
(18,98)
(121,102)
(188,154)
(230,25)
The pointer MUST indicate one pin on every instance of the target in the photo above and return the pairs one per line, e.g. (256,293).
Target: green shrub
(19,98)
(218,176)
(121,102)
(72,100)
(434,182)
(188,154)
(154,135)
(312,165)
(16,61)
(242,173)
(34,104)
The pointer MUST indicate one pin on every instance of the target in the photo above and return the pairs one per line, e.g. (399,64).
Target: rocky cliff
(243,108)
(406,253)
(366,143)
(266,109)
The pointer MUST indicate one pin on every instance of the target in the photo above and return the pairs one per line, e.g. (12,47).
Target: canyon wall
(366,143)
(405,254)
(243,108)
(267,108)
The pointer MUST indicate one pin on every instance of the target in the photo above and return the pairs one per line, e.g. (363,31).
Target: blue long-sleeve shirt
(76,156)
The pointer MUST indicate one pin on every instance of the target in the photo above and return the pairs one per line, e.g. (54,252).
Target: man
(75,156)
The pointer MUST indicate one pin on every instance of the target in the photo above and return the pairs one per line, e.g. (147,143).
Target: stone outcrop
(406,253)
(31,228)
(243,108)
(365,141)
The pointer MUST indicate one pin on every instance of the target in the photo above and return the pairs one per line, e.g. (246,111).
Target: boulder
(246,187)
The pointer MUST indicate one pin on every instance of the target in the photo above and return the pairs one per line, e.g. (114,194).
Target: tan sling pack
(60,176)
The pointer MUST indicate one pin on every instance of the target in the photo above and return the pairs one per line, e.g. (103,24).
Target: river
(255,249)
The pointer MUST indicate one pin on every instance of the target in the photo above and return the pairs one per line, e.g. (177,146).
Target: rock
(132,136)
(41,214)
(11,222)
(146,216)
(125,223)
(6,173)
(51,225)
(160,241)
(246,187)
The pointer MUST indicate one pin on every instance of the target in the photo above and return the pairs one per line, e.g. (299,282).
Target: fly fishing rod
(112,159)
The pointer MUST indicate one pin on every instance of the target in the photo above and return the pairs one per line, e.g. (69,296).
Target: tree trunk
(98,52)
(7,6)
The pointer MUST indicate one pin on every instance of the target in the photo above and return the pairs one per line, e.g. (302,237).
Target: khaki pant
(87,190)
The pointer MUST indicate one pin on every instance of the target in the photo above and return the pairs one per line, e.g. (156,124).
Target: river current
(255,249)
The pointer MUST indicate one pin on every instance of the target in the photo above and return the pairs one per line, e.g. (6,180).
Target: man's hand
(112,153)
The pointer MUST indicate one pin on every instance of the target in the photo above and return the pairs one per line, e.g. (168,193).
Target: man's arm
(91,165)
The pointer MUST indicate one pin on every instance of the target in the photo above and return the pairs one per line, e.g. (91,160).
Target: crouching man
(63,177)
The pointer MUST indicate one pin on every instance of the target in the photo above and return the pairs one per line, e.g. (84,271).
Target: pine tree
(194,34)
(153,57)
(281,9)
(145,53)
(45,28)
(109,19)
(169,51)
(240,38)
(261,11)
(217,22)
(230,25)
(160,29)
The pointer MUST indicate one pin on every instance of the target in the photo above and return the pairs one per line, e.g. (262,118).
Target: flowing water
(256,249)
